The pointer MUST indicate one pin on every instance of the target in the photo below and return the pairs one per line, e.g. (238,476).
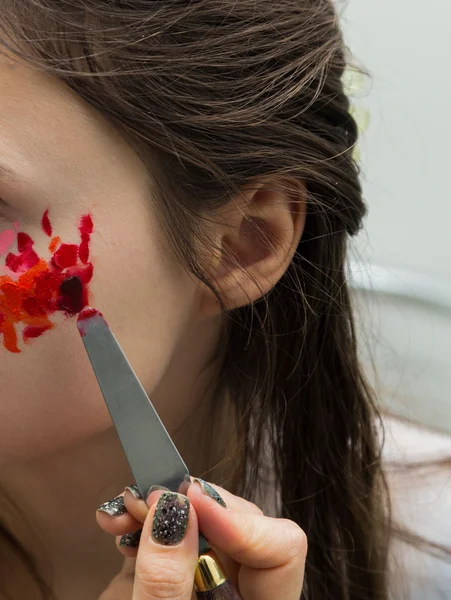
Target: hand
(263,557)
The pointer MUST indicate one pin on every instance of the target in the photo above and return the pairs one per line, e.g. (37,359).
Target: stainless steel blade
(151,454)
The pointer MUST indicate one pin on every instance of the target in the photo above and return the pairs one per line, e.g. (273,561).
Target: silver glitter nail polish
(114,507)
(210,491)
(133,489)
(131,539)
(170,519)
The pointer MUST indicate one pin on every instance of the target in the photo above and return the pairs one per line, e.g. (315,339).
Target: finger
(222,496)
(135,504)
(271,551)
(168,550)
(113,517)
(128,543)
(218,493)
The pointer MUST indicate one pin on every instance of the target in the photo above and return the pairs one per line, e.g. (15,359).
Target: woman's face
(69,162)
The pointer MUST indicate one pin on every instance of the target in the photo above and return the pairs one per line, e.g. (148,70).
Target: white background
(406,168)
(406,151)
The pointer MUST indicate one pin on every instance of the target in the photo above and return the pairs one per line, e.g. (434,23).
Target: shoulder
(420,487)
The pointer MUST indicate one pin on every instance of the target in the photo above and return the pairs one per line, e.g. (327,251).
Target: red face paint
(85,315)
(38,288)
(34,331)
(88,313)
(26,256)
(86,228)
(46,226)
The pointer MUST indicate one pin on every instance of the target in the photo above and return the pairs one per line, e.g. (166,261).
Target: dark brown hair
(213,94)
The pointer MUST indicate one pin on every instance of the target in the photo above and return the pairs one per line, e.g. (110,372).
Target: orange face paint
(35,288)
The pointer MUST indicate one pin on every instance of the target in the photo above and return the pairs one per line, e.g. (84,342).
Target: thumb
(168,549)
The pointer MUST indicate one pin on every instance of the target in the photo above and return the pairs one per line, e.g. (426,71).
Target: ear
(255,239)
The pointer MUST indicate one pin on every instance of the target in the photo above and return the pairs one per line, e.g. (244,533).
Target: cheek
(49,396)
(146,296)
(41,284)
(41,397)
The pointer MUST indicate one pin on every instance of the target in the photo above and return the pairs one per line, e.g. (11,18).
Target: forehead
(41,123)
(35,108)
(48,133)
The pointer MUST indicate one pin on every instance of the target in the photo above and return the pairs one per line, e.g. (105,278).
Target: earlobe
(257,241)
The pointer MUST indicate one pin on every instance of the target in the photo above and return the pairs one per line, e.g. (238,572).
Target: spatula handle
(225,591)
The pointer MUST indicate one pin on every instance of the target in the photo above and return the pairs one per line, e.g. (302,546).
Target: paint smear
(26,256)
(38,288)
(7,238)
(46,226)
(86,315)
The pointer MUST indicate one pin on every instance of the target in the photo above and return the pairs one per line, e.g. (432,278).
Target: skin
(59,455)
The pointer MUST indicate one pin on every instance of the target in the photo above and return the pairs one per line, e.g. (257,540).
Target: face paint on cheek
(7,238)
(38,288)
(45,223)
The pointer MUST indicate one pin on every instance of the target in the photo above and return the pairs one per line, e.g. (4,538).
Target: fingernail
(170,519)
(133,489)
(131,539)
(210,491)
(114,507)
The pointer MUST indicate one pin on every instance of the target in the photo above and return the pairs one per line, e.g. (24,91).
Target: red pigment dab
(86,228)
(73,295)
(39,288)
(34,331)
(26,256)
(65,256)
(46,226)
(86,315)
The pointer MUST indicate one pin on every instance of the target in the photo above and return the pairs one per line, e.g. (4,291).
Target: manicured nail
(131,539)
(170,519)
(114,507)
(210,491)
(133,489)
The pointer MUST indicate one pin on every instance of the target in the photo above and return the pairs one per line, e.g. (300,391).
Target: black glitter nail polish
(131,539)
(170,519)
(210,491)
(133,489)
(114,507)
